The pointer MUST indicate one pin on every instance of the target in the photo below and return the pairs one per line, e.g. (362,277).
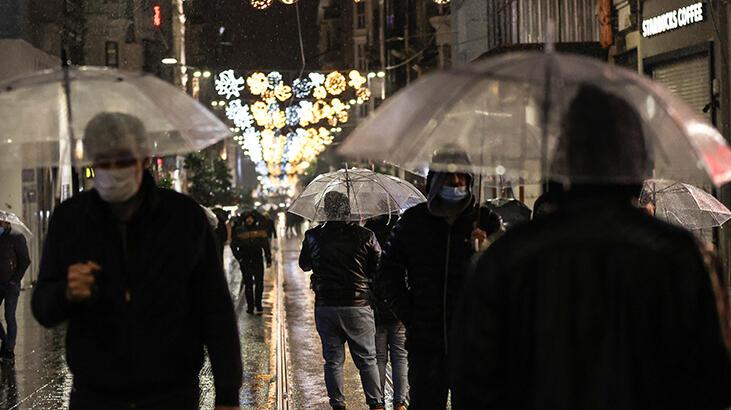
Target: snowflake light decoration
(261,4)
(283,92)
(260,112)
(274,79)
(279,119)
(363,95)
(228,85)
(301,87)
(233,108)
(305,112)
(258,83)
(319,92)
(316,79)
(335,83)
(356,79)
(293,116)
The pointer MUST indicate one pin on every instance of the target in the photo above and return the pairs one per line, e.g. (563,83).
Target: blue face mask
(453,193)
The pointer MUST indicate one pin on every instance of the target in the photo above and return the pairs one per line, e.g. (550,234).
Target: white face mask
(116,185)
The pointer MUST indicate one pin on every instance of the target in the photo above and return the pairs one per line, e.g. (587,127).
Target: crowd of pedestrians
(592,304)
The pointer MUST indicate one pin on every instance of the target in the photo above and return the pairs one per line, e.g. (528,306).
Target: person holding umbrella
(344,258)
(424,263)
(134,271)
(595,305)
(14,260)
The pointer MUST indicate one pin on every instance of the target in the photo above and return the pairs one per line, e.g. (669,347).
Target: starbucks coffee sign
(673,19)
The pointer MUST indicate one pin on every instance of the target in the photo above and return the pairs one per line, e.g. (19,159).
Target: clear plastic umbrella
(684,204)
(43,115)
(506,112)
(15,223)
(369,193)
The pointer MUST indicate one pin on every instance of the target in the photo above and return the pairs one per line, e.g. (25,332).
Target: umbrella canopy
(507,113)
(35,115)
(369,193)
(511,210)
(684,204)
(15,223)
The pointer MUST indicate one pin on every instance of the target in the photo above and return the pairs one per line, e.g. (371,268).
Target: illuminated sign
(156,16)
(673,19)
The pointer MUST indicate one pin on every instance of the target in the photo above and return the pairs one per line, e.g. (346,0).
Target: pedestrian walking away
(250,244)
(424,264)
(390,332)
(344,258)
(595,305)
(14,261)
(134,271)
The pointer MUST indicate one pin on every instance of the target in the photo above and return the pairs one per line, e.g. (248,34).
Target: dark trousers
(9,296)
(428,379)
(252,280)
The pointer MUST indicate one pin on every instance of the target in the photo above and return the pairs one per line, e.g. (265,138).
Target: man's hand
(479,235)
(80,281)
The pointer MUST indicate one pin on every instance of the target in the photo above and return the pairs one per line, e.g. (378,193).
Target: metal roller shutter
(687,78)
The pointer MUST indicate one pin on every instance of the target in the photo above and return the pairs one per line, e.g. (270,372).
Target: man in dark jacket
(344,258)
(221,230)
(424,264)
(595,305)
(134,271)
(248,242)
(14,260)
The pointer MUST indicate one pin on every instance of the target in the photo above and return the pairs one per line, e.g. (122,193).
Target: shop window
(111,54)
(360,15)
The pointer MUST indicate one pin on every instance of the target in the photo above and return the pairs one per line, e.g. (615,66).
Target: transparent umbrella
(15,223)
(43,115)
(684,204)
(506,112)
(370,194)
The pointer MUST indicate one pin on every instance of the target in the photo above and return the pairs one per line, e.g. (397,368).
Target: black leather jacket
(344,258)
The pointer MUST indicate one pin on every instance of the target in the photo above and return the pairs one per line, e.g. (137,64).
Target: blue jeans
(391,338)
(355,325)
(9,295)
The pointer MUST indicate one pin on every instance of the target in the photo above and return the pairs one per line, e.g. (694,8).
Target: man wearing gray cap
(134,270)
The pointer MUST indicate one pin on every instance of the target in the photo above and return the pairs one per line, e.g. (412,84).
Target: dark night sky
(267,39)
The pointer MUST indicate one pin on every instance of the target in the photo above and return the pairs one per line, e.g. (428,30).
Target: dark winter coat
(161,297)
(382,227)
(423,267)
(344,258)
(594,306)
(14,259)
(248,242)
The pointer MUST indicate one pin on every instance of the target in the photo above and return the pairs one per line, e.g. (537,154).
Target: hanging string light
(442,2)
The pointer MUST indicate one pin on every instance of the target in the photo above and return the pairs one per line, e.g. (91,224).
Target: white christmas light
(258,83)
(316,78)
(261,4)
(228,85)
(274,79)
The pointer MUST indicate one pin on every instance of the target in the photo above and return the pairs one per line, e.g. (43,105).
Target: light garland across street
(283,126)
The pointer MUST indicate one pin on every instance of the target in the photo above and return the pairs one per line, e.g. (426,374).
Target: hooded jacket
(424,264)
(160,298)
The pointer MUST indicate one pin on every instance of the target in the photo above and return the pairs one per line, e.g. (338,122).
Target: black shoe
(259,310)
(250,311)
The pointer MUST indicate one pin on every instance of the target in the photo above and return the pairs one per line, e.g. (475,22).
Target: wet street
(39,379)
